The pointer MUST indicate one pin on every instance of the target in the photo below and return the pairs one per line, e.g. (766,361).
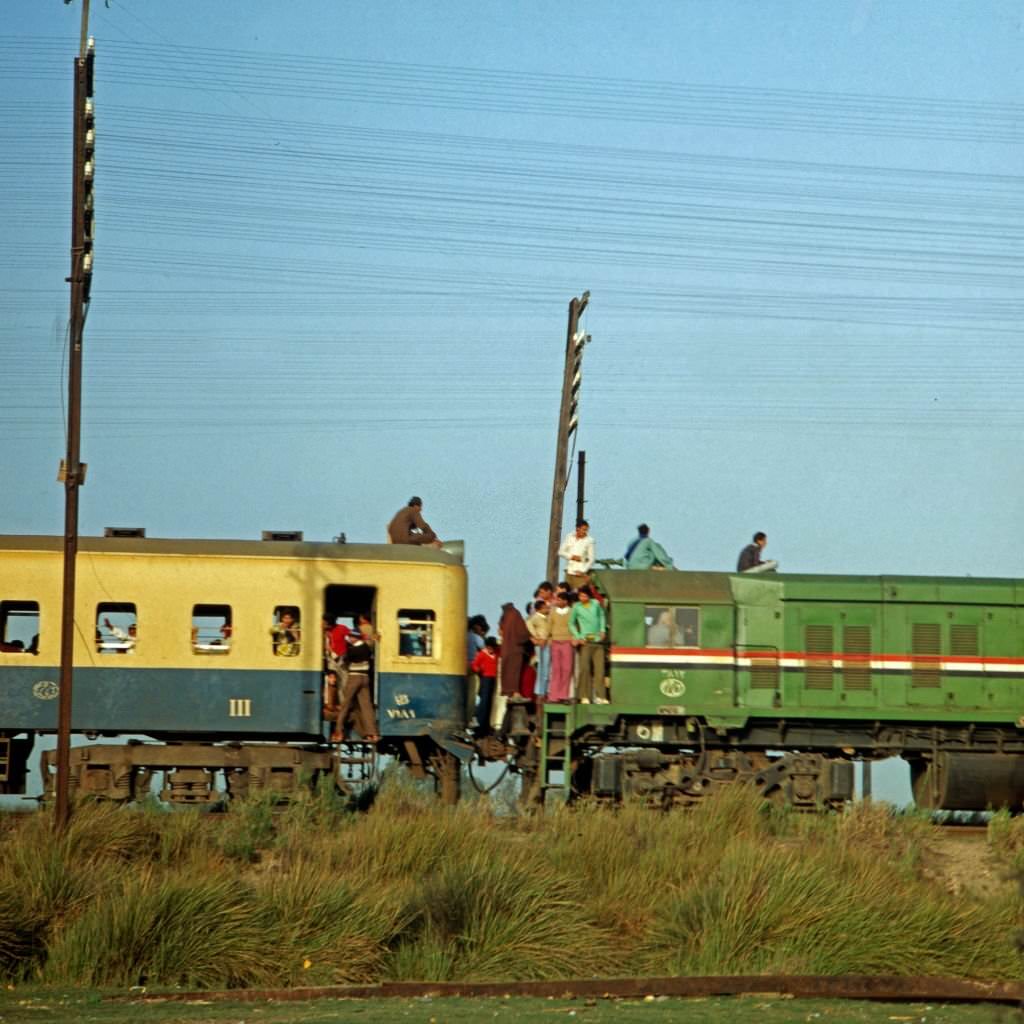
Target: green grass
(57,1007)
(316,894)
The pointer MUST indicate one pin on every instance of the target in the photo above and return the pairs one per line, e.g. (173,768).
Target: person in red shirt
(528,684)
(335,642)
(485,665)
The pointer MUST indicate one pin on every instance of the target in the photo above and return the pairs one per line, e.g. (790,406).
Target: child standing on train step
(560,644)
(485,665)
(540,630)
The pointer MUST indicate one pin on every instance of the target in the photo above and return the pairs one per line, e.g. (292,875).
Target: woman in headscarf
(515,648)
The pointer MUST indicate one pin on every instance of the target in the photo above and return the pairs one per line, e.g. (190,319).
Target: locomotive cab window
(19,627)
(211,629)
(286,632)
(117,628)
(671,627)
(416,632)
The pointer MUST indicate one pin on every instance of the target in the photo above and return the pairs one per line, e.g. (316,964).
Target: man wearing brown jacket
(409,527)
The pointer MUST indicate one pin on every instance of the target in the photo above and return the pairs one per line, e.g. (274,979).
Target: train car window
(286,632)
(117,628)
(671,627)
(211,629)
(19,627)
(416,632)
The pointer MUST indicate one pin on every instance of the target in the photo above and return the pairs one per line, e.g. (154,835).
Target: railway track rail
(879,988)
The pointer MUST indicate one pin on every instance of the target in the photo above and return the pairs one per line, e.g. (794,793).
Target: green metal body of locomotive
(783,680)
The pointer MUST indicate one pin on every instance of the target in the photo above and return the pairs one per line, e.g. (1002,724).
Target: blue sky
(336,243)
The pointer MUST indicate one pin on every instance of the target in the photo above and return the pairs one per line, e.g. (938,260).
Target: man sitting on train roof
(750,557)
(645,553)
(409,527)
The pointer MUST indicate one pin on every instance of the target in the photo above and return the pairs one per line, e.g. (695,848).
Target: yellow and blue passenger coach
(213,652)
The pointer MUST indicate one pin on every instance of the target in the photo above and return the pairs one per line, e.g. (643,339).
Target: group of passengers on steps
(555,655)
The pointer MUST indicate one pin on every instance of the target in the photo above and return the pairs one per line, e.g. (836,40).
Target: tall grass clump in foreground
(314,893)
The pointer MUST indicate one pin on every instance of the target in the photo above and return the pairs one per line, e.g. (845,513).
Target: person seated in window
(287,635)
(687,632)
(125,640)
(33,648)
(414,641)
(224,640)
(662,633)
(12,646)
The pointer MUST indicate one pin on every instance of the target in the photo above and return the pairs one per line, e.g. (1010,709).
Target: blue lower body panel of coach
(222,703)
(242,703)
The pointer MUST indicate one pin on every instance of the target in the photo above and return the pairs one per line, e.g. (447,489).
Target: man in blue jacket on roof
(645,553)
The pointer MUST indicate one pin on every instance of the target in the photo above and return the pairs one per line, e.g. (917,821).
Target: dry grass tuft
(316,894)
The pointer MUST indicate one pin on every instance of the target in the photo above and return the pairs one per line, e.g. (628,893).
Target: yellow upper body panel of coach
(174,590)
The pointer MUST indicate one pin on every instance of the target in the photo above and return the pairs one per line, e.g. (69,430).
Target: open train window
(211,629)
(286,632)
(671,627)
(19,627)
(117,627)
(416,632)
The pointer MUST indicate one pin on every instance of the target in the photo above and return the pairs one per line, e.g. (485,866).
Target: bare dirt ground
(963,862)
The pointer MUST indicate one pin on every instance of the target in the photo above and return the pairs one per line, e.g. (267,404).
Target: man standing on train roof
(578,551)
(645,553)
(409,527)
(750,557)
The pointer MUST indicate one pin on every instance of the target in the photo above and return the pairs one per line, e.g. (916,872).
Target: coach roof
(239,548)
(680,587)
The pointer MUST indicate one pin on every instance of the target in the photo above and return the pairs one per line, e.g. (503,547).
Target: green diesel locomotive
(782,681)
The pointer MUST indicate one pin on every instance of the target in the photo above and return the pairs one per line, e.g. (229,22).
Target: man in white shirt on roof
(578,551)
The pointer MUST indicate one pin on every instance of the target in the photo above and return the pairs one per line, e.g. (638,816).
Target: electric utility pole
(568,419)
(73,470)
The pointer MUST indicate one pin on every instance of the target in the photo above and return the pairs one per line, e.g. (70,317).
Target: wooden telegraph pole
(568,419)
(72,469)
(581,484)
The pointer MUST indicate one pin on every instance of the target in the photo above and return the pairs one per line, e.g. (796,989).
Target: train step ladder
(357,763)
(5,759)
(555,752)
